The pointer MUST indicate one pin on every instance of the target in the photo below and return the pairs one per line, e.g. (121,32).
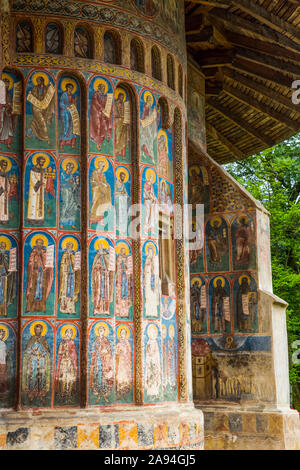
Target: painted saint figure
(102,282)
(4,355)
(196,188)
(39,279)
(41,182)
(122,203)
(8,120)
(153,379)
(246,305)
(101,125)
(70,195)
(218,307)
(216,241)
(36,365)
(244,241)
(101,376)
(151,204)
(123,284)
(197,310)
(67,366)
(151,283)
(67,101)
(122,126)
(5,192)
(8,281)
(148,128)
(123,356)
(101,194)
(164,168)
(69,281)
(43,109)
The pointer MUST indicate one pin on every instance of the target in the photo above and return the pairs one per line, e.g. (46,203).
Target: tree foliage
(273,177)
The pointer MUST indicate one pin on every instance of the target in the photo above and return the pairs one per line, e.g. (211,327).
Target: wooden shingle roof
(249,53)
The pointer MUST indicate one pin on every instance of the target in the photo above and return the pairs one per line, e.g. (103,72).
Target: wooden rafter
(216,135)
(267,60)
(261,71)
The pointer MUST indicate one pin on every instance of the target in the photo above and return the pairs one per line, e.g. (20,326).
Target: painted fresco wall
(77,149)
(231,345)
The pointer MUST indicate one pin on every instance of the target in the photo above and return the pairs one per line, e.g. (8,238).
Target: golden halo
(69,160)
(39,237)
(118,91)
(151,172)
(104,325)
(123,327)
(100,81)
(9,78)
(70,240)
(8,163)
(164,331)
(154,329)
(68,327)
(146,94)
(121,245)
(6,241)
(44,155)
(65,82)
(4,327)
(196,168)
(215,219)
(242,277)
(40,74)
(103,242)
(162,132)
(171,331)
(148,245)
(196,279)
(122,170)
(222,279)
(38,323)
(243,217)
(104,160)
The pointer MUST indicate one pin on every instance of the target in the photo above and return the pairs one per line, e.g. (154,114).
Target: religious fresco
(246,301)
(24,37)
(8,346)
(101,364)
(169,359)
(9,267)
(53,39)
(198,187)
(40,190)
(37,359)
(196,253)
(149,183)
(11,114)
(151,281)
(101,109)
(122,125)
(124,369)
(124,281)
(122,200)
(82,43)
(101,194)
(9,193)
(69,277)
(199,304)
(153,367)
(102,265)
(69,115)
(165,198)
(40,110)
(165,153)
(69,194)
(67,365)
(220,305)
(196,118)
(39,274)
(243,243)
(217,245)
(148,128)
(147,7)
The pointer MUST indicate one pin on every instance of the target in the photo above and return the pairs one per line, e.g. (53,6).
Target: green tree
(273,177)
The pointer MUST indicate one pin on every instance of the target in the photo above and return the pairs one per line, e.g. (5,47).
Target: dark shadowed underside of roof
(249,53)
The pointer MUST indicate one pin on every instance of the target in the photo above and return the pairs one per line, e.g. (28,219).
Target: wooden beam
(216,135)
(240,122)
(261,71)
(267,60)
(213,3)
(268,18)
(213,89)
(206,34)
(262,89)
(193,23)
(274,50)
(215,57)
(262,107)
(210,72)
(241,24)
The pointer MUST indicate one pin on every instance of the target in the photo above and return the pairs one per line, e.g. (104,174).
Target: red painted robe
(100,125)
(37,266)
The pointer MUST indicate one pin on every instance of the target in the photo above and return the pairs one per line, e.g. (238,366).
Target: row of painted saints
(111,376)
(219,304)
(109,113)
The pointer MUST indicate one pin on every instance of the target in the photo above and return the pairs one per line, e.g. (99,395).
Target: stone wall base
(229,427)
(148,427)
